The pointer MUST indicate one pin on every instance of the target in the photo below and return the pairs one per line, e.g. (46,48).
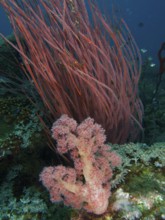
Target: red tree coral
(87,185)
(80,65)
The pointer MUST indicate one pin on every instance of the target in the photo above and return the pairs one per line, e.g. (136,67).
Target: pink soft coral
(87,185)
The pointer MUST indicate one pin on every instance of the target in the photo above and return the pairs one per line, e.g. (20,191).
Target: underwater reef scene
(82,118)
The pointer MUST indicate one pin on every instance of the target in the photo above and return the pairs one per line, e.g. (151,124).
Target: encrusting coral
(87,185)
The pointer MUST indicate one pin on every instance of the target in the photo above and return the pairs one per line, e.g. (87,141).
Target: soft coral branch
(87,185)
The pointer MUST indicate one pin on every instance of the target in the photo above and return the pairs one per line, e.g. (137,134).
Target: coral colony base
(83,67)
(86,185)
(80,72)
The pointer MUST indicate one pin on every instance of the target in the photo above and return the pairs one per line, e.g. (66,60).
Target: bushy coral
(142,172)
(19,125)
(87,185)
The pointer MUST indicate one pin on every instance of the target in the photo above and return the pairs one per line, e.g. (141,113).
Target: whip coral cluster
(80,65)
(87,185)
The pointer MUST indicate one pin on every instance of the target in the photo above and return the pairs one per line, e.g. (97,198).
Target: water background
(145,18)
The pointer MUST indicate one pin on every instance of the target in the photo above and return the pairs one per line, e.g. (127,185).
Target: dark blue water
(145,18)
